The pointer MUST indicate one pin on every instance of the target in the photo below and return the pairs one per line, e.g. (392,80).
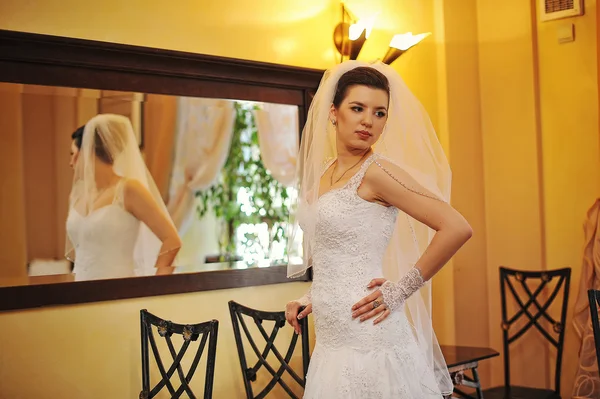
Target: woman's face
(74,154)
(361,117)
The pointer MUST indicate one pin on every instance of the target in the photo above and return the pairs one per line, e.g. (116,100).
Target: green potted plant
(246,194)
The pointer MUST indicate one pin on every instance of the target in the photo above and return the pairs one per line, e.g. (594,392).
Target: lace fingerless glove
(305,300)
(395,294)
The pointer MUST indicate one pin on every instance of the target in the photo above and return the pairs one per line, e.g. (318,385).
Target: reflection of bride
(118,225)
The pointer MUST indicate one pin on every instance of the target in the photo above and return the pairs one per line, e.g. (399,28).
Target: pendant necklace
(331,182)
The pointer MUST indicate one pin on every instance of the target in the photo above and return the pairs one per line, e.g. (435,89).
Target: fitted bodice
(351,234)
(104,240)
(351,239)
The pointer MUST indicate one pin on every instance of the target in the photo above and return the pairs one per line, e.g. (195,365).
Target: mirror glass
(224,169)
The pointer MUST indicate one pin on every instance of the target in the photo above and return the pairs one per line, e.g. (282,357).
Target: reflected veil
(112,137)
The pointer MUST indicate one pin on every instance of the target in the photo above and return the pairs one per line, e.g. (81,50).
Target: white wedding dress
(104,240)
(354,360)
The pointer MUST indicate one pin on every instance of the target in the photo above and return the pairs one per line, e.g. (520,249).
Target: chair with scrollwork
(532,311)
(200,334)
(239,316)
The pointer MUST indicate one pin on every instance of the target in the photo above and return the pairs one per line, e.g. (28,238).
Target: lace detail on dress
(353,359)
(119,198)
(351,237)
(395,294)
(104,240)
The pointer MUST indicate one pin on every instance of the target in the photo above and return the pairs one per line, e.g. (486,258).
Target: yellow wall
(93,350)
(570,157)
(518,115)
(283,32)
(516,111)
(540,138)
(510,162)
(465,280)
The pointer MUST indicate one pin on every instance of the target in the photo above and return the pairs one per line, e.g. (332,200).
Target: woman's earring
(333,122)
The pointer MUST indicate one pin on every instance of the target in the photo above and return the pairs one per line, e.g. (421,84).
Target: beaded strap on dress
(119,198)
(356,180)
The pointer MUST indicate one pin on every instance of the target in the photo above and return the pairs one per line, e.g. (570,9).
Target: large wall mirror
(218,136)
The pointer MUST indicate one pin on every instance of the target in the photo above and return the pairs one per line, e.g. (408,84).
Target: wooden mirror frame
(59,61)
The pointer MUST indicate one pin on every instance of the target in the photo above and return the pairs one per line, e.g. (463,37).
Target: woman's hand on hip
(372,305)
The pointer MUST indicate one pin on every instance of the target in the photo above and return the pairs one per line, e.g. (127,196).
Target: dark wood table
(462,358)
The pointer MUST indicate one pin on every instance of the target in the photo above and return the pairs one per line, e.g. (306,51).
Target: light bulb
(364,24)
(405,41)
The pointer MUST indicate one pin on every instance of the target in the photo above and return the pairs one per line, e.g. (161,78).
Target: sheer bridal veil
(410,141)
(111,138)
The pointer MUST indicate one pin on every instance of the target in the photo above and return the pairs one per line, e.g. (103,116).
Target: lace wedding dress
(353,359)
(104,240)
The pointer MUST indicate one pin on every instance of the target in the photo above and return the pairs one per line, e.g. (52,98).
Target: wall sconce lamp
(351,34)
(400,44)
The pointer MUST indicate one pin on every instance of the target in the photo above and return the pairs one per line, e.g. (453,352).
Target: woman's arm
(393,186)
(139,202)
(390,185)
(291,310)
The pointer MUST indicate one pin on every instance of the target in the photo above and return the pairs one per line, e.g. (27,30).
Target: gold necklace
(331,182)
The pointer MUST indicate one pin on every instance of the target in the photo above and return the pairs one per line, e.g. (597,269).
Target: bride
(374,186)
(118,225)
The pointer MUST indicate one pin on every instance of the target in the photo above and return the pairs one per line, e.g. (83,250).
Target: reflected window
(250,199)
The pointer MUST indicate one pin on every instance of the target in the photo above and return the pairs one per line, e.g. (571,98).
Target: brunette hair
(361,76)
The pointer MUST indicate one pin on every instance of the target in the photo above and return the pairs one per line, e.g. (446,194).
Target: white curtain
(203,133)
(278,137)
